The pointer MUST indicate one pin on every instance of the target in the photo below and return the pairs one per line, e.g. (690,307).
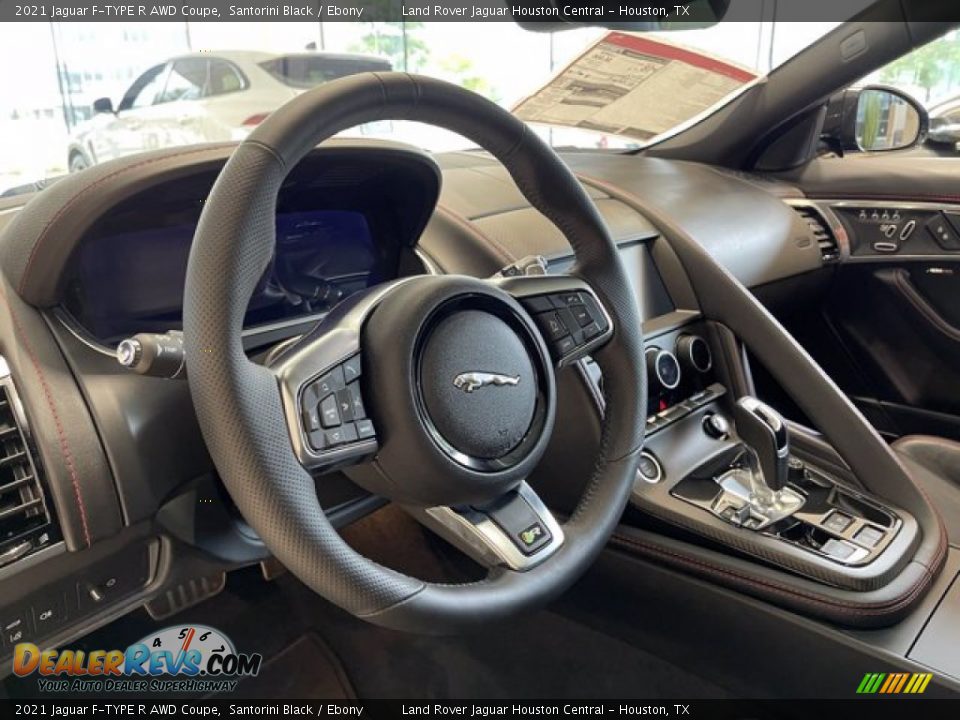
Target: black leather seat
(936,462)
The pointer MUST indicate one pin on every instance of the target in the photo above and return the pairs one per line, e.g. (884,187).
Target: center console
(724,468)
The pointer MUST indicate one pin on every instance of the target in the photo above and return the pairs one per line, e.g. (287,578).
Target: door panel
(888,328)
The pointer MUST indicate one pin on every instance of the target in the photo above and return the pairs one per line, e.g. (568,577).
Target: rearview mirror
(650,15)
(875,118)
(103,105)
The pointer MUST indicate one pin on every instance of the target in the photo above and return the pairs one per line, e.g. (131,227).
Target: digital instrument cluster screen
(132,282)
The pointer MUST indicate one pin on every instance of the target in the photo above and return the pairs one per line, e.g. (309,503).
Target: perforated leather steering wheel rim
(238,404)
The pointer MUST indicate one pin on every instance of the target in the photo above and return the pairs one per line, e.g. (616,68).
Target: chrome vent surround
(26,523)
(821,232)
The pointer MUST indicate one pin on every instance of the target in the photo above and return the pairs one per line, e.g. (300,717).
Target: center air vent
(821,231)
(25,521)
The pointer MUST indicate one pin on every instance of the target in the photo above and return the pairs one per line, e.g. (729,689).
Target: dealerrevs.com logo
(193,658)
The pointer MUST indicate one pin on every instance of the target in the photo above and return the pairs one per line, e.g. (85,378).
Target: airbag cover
(479,385)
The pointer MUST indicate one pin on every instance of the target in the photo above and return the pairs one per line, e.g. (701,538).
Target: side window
(187,81)
(224,78)
(144,89)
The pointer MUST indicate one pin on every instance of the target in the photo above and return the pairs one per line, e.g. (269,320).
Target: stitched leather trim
(732,577)
(503,254)
(51,405)
(901,281)
(87,189)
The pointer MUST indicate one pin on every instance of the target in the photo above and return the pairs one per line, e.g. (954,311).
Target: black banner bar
(547,11)
(875,709)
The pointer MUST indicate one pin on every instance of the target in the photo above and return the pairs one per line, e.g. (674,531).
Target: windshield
(74,94)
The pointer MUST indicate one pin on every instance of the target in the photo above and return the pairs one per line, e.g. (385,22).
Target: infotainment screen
(644,278)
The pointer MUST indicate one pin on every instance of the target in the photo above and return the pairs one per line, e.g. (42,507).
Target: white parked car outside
(204,97)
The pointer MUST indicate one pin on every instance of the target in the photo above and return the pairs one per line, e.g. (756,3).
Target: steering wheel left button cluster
(332,408)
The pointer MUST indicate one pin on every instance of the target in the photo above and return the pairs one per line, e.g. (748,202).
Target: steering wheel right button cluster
(570,321)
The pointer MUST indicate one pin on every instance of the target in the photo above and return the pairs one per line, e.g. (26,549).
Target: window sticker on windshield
(630,85)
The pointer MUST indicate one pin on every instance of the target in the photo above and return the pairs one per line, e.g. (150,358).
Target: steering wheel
(440,389)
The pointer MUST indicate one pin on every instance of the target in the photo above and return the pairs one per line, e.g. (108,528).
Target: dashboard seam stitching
(48,396)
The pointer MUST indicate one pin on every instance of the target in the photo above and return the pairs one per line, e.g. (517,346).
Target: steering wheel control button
(581,315)
(351,369)
(333,411)
(649,468)
(311,418)
(356,401)
(520,523)
(538,304)
(565,345)
(330,383)
(837,522)
(329,412)
(552,326)
(365,429)
(568,320)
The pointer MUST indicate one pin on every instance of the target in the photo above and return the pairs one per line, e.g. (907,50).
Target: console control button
(16,627)
(839,549)
(943,232)
(837,522)
(649,468)
(49,615)
(869,536)
(716,426)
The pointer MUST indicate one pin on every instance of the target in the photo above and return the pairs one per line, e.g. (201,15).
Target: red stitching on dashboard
(66,206)
(48,395)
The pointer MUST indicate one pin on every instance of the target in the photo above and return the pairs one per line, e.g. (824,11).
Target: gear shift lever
(764,432)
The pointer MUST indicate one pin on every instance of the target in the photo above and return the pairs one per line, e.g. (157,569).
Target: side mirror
(103,105)
(875,118)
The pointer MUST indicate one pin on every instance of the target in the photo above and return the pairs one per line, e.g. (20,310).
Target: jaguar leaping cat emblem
(470,381)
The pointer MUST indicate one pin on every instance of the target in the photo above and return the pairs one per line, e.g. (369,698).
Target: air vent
(24,516)
(820,229)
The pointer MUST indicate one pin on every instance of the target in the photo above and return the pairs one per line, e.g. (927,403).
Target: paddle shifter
(763,431)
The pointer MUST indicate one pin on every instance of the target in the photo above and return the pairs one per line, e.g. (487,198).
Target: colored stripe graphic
(894,683)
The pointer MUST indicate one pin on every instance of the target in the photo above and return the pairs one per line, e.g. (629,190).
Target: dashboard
(349,216)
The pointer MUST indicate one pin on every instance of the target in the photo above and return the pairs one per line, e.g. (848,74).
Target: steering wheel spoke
(516,531)
(567,311)
(320,379)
